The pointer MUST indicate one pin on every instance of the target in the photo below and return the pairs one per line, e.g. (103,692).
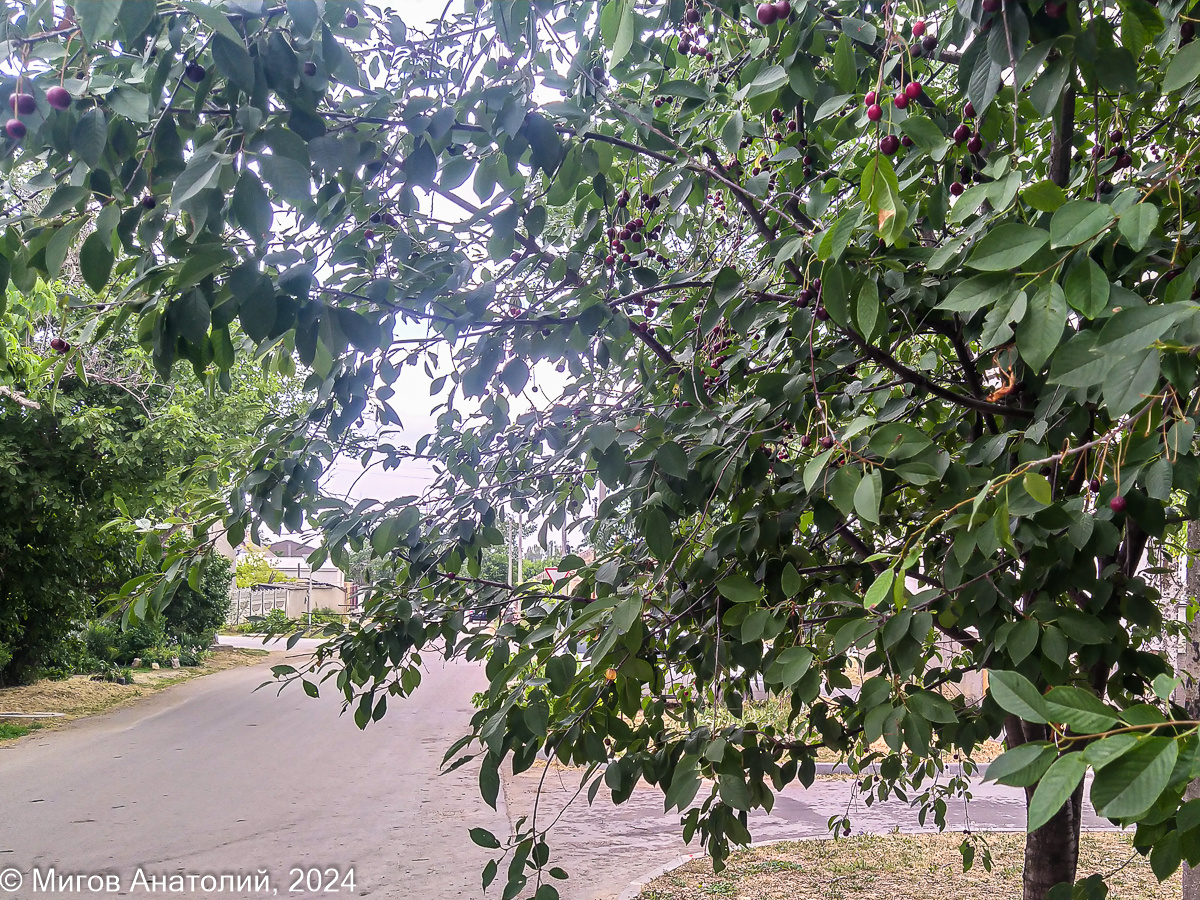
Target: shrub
(146,639)
(326,616)
(202,612)
(100,640)
(274,622)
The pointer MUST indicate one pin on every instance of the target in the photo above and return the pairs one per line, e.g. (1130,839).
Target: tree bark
(1052,852)
(1187,666)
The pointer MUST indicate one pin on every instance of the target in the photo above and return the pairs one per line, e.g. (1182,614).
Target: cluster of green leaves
(841,402)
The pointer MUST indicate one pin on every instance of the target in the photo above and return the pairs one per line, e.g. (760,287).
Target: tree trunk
(1187,666)
(1052,852)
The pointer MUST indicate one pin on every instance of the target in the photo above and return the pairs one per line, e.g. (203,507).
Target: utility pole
(1187,667)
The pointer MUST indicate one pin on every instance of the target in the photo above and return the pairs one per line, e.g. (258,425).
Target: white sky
(412,401)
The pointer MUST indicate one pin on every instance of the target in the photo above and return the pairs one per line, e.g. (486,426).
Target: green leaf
(1087,288)
(1038,487)
(659,538)
(626,32)
(515,375)
(60,245)
(252,206)
(1129,785)
(672,459)
(1081,711)
(289,178)
(234,62)
(1184,68)
(1022,765)
(770,78)
(880,588)
(484,838)
(90,136)
(685,784)
(789,666)
(1137,328)
(212,16)
(96,261)
(1138,222)
(866,496)
(1055,788)
(1078,221)
(739,589)
(978,292)
(1006,247)
(1015,694)
(200,174)
(1042,327)
(932,707)
(97,18)
(1045,196)
(790,581)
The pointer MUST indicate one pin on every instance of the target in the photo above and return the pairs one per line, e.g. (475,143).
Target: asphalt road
(211,777)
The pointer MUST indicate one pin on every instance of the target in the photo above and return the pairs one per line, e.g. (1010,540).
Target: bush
(198,614)
(274,622)
(146,639)
(326,616)
(100,640)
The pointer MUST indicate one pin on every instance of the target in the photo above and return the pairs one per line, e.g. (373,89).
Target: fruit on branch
(975,144)
(969,110)
(889,144)
(766,13)
(15,129)
(956,189)
(901,100)
(961,133)
(870,98)
(59,97)
(351,20)
(783,8)
(59,346)
(913,90)
(148,201)
(918,28)
(874,112)
(1118,504)
(194,72)
(310,68)
(22,104)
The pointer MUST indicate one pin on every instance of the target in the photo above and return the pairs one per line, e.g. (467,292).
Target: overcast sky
(412,400)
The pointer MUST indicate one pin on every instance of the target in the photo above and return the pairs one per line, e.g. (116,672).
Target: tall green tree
(874,322)
(90,437)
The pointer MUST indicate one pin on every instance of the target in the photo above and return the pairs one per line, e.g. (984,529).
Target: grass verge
(900,867)
(79,696)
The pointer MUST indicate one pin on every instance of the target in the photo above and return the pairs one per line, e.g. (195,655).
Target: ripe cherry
(826,442)
(766,13)
(956,189)
(901,101)
(975,144)
(194,72)
(149,201)
(692,15)
(806,441)
(918,28)
(23,104)
(913,90)
(1094,485)
(969,110)
(889,145)
(1117,136)
(1055,10)
(1118,504)
(929,43)
(59,97)
(870,98)
(15,129)
(906,141)
(874,112)
(783,8)
(961,133)
(351,20)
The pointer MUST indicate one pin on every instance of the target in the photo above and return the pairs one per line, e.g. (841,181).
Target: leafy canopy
(915,384)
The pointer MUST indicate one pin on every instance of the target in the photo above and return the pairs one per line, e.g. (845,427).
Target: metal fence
(247,602)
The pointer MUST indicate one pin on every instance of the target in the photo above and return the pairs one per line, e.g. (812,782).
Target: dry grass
(900,867)
(80,696)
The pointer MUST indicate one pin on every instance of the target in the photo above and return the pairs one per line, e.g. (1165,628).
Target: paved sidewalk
(605,847)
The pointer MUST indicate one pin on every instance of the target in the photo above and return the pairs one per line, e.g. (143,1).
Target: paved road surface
(212,777)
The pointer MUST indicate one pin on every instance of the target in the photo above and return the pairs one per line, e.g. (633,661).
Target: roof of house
(291,548)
